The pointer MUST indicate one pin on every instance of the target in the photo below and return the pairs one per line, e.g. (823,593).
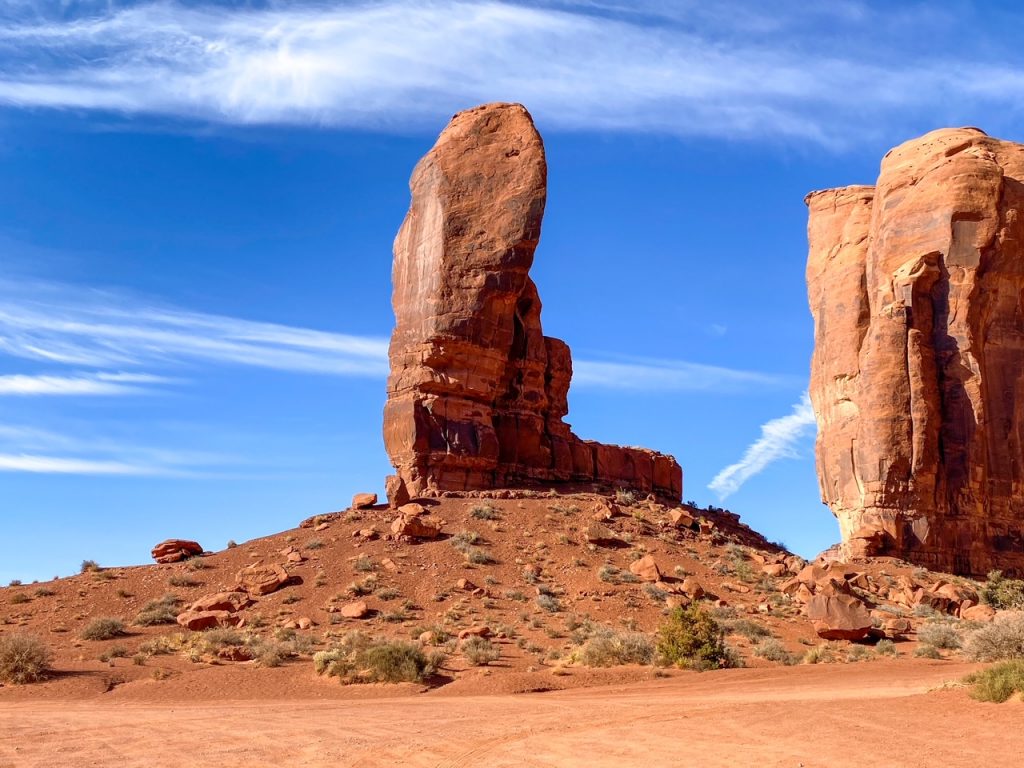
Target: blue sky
(197,204)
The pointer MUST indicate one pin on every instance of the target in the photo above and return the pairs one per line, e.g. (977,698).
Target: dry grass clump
(484,512)
(773,650)
(106,628)
(607,647)
(939,634)
(997,683)
(1000,640)
(162,611)
(479,651)
(23,659)
(361,659)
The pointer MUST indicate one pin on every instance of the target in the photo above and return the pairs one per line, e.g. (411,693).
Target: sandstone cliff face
(917,290)
(477,393)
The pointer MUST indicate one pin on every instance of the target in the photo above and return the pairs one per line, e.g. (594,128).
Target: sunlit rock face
(917,290)
(477,393)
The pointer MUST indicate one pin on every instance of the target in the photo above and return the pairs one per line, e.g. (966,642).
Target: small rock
(356,610)
(260,579)
(645,569)
(197,621)
(680,518)
(364,500)
(693,588)
(414,527)
(476,631)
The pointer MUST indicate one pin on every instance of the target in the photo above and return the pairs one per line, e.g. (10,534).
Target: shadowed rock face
(917,290)
(477,393)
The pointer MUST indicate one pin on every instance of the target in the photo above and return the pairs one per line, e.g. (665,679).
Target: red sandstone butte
(477,392)
(917,378)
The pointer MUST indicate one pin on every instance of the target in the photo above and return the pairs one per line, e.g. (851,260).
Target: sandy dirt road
(875,714)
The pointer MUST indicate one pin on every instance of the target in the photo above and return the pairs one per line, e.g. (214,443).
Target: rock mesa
(917,378)
(477,393)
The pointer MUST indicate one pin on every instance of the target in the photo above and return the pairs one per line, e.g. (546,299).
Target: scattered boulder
(599,535)
(984,613)
(364,500)
(646,569)
(357,610)
(261,579)
(476,631)
(680,518)
(197,621)
(396,491)
(232,602)
(414,527)
(693,588)
(176,550)
(839,617)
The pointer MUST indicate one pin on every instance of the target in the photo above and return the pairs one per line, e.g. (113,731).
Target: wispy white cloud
(735,70)
(60,325)
(86,384)
(779,438)
(670,376)
(55,324)
(55,465)
(89,451)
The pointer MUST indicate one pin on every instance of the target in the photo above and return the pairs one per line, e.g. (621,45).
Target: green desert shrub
(23,659)
(692,639)
(1000,640)
(1003,593)
(997,683)
(106,628)
(608,648)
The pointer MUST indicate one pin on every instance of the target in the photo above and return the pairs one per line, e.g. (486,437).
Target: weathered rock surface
(176,550)
(839,617)
(917,379)
(477,393)
(259,579)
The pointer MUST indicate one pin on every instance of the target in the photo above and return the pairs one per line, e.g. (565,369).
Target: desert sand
(910,713)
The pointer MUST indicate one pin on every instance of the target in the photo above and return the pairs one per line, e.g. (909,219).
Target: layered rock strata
(917,290)
(477,392)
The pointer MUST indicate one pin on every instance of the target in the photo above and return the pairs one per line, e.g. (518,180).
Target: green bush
(997,683)
(692,639)
(1002,593)
(104,629)
(1000,640)
(23,659)
(608,648)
